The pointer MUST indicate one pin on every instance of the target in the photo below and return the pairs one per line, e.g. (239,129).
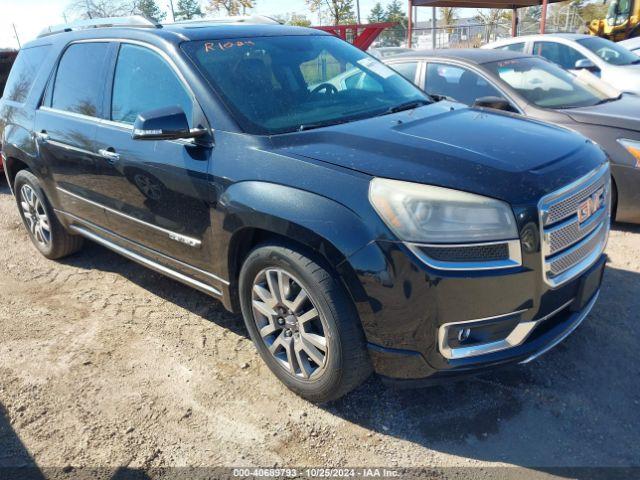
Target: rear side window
(513,47)
(144,81)
(559,53)
(24,72)
(457,83)
(407,70)
(80,78)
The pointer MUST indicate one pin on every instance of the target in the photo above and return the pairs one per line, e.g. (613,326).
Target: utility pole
(410,25)
(433,27)
(17,37)
(358,10)
(173,13)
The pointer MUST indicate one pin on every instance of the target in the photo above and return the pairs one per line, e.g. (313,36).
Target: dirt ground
(106,364)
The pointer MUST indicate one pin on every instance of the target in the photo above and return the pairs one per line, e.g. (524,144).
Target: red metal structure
(361,35)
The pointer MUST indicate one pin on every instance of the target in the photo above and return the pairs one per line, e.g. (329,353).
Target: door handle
(109,154)
(43,136)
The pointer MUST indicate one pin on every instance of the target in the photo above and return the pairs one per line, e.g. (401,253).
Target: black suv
(357,223)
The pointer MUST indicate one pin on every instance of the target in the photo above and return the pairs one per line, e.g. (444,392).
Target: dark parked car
(7,57)
(541,90)
(356,227)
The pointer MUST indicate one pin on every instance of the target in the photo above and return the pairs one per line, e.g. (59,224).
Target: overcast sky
(31,16)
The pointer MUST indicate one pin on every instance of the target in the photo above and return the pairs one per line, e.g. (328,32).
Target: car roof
(181,32)
(471,55)
(546,36)
(631,42)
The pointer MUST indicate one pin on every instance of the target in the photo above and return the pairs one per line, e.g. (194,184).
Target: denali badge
(192,242)
(591,205)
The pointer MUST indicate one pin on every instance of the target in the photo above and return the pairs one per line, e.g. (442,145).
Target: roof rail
(250,19)
(133,21)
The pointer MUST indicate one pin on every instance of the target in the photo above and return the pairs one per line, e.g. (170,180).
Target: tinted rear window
(80,79)
(24,72)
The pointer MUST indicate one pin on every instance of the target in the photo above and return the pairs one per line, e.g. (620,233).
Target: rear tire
(302,322)
(45,230)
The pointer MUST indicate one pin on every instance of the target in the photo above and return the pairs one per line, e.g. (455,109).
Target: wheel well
(13,166)
(246,240)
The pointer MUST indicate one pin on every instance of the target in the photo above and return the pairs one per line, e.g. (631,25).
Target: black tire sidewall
(25,177)
(277,256)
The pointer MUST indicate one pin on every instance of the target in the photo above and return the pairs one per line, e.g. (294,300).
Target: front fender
(325,226)
(318,222)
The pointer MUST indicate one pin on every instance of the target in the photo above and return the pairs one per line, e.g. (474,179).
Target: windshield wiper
(610,99)
(407,106)
(311,126)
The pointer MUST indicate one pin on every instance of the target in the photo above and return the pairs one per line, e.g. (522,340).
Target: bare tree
(340,11)
(491,19)
(100,8)
(230,7)
(448,16)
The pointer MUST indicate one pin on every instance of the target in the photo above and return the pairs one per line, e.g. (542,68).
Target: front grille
(568,245)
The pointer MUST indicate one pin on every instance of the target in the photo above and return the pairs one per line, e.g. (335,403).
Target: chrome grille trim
(569,247)
(564,203)
(570,232)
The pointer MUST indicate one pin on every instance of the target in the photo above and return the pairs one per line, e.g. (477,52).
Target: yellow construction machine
(622,21)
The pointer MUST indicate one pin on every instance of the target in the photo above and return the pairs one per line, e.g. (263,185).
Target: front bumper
(552,331)
(404,304)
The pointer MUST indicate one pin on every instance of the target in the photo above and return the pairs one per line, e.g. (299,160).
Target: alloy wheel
(289,323)
(35,215)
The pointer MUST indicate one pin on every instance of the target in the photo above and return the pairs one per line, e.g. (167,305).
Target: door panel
(155,192)
(65,128)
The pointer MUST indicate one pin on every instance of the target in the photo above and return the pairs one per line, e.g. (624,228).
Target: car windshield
(609,51)
(546,85)
(283,84)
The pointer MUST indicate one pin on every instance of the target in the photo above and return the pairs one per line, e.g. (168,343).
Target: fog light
(476,337)
(464,334)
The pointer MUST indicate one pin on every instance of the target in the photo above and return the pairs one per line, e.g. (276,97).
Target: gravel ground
(106,364)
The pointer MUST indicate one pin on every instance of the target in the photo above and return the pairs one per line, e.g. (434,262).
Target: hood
(625,78)
(493,154)
(623,113)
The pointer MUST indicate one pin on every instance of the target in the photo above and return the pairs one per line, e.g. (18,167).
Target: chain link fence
(470,33)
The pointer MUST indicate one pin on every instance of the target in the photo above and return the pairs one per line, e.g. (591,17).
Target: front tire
(45,230)
(302,322)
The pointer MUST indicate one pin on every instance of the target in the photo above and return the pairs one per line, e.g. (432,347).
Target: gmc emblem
(591,205)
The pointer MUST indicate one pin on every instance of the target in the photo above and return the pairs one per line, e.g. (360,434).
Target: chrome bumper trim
(580,316)
(517,336)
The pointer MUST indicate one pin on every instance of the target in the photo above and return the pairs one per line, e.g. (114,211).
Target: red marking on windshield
(221,46)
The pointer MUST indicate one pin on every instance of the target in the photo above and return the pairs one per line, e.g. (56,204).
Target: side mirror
(586,64)
(169,123)
(497,103)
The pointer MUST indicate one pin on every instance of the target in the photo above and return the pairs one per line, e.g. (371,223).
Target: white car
(614,64)
(632,44)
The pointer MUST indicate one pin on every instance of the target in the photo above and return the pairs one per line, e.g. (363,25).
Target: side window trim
(107,93)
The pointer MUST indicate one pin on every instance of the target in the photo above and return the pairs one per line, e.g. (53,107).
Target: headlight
(633,147)
(419,213)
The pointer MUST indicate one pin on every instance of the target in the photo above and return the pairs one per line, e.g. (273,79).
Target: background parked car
(539,89)
(633,44)
(381,52)
(614,64)
(7,57)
